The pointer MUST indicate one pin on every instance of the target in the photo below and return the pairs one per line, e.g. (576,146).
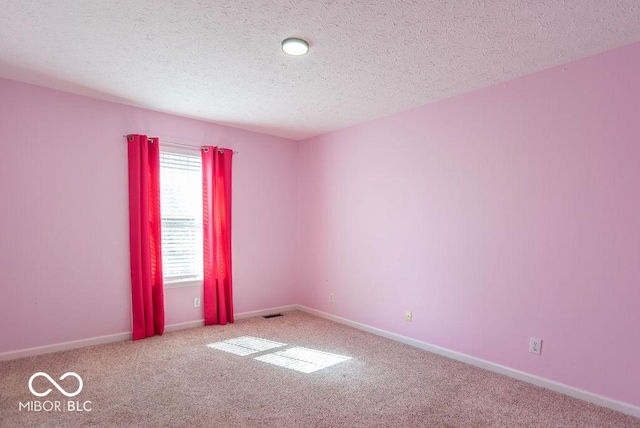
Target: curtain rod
(186,145)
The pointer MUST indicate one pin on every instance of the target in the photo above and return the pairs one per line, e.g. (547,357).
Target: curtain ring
(205,149)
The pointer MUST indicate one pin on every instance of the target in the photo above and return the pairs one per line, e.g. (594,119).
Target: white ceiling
(221,60)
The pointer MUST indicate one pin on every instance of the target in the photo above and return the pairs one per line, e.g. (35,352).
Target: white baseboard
(64,346)
(183,325)
(118,337)
(581,394)
(264,312)
(239,316)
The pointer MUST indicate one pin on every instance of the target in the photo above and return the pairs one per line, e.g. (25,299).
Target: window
(181,212)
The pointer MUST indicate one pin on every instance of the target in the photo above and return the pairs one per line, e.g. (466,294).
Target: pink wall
(505,213)
(64,242)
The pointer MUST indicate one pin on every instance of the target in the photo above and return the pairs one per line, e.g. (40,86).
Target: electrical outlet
(408,316)
(535,345)
(330,297)
(196,302)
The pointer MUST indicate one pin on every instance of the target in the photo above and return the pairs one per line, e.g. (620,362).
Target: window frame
(194,152)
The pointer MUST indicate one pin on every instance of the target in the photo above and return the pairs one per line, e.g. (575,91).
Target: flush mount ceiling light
(295,47)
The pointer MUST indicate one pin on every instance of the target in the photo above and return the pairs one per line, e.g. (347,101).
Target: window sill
(182,284)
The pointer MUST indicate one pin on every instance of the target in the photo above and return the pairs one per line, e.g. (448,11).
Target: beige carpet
(177,381)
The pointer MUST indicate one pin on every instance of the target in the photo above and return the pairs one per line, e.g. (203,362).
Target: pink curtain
(216,197)
(147,294)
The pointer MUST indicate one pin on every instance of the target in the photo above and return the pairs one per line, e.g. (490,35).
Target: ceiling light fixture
(295,47)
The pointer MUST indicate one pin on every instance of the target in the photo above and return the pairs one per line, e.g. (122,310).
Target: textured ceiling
(221,61)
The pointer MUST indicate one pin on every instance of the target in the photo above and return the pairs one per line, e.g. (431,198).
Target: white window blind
(181,212)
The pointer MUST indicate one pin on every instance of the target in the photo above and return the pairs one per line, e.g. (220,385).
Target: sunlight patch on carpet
(245,345)
(302,359)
